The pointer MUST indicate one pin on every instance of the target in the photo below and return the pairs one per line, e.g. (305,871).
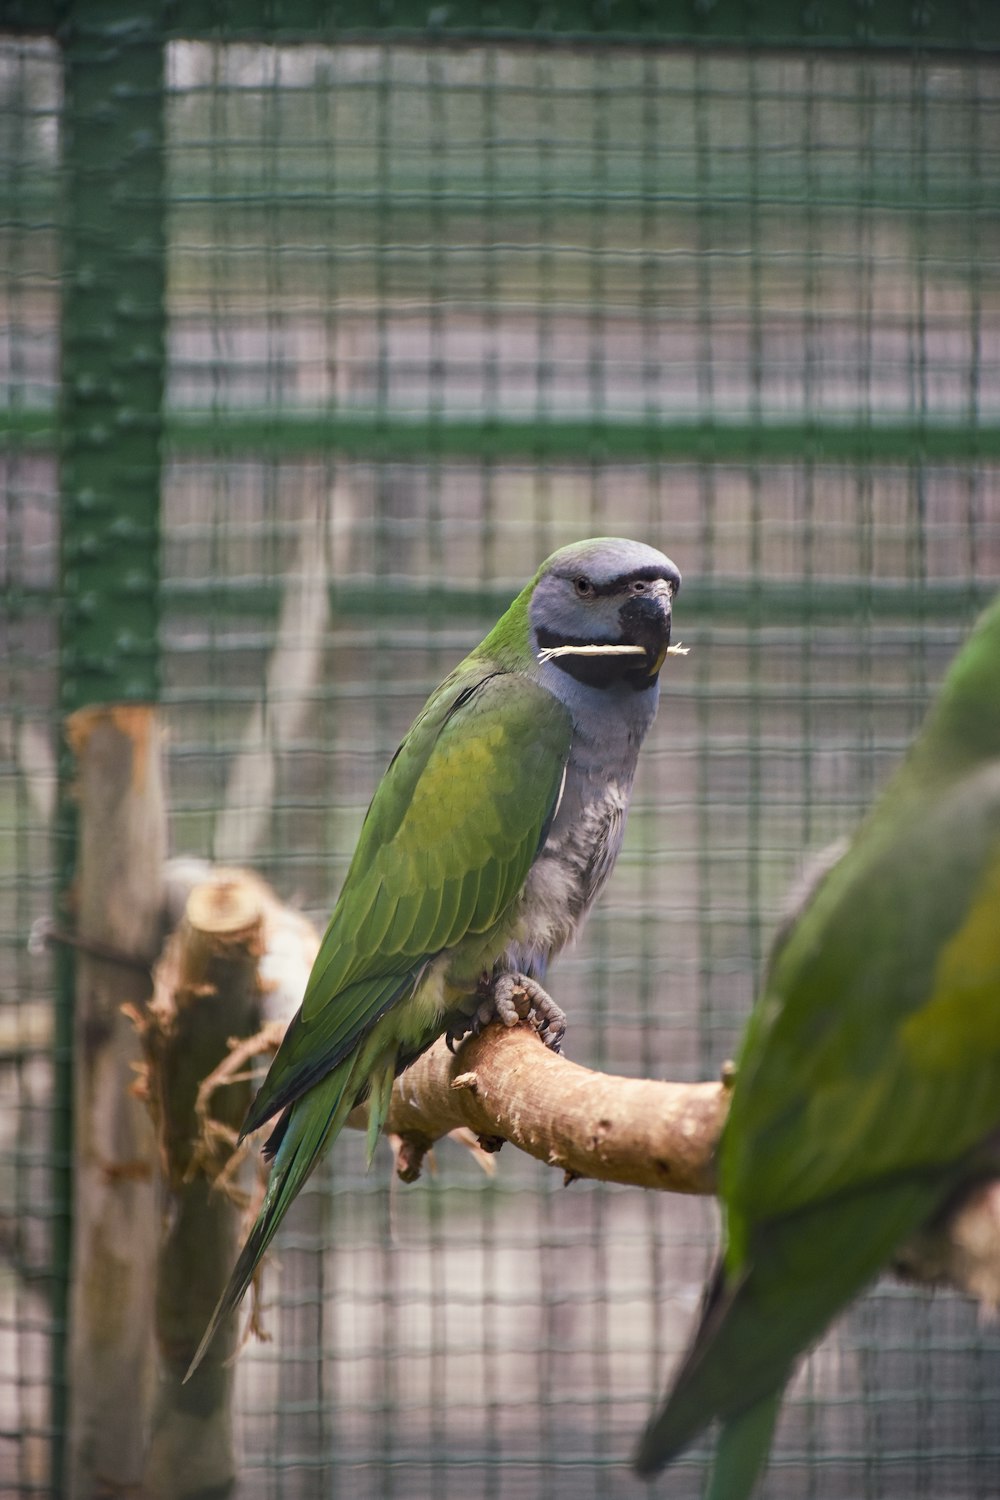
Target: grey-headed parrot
(494,827)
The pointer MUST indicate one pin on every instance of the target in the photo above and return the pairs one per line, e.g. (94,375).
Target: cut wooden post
(119,899)
(207,991)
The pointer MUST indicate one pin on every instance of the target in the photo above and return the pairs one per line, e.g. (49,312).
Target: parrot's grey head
(607,592)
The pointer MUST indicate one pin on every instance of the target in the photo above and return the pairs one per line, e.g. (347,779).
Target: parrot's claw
(510,998)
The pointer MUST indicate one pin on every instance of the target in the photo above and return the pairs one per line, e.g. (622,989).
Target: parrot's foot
(509,998)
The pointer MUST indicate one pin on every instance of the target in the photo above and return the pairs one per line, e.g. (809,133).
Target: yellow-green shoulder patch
(962,1016)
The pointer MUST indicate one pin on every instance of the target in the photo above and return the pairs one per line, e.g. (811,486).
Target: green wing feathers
(868,1078)
(309,1051)
(876,1048)
(444,851)
(869,1075)
(451,832)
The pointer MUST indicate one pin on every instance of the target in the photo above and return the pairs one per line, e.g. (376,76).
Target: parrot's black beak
(645,621)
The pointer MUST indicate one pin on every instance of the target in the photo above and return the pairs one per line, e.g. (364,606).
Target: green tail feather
(379,1099)
(753,1330)
(313,1123)
(742,1452)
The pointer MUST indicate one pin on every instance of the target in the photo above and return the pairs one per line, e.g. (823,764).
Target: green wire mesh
(29,299)
(432,312)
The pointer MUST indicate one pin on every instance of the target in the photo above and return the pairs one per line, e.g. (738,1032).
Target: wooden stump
(206,991)
(118,898)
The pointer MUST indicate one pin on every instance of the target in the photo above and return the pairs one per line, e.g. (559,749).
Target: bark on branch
(506,1086)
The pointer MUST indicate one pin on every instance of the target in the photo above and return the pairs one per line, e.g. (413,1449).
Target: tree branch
(505,1085)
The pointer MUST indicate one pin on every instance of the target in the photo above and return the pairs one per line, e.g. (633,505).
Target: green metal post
(113,353)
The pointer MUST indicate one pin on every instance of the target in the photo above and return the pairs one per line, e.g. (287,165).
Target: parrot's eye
(584,587)
(639,585)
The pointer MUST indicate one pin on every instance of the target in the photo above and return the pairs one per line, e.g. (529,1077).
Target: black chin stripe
(607,671)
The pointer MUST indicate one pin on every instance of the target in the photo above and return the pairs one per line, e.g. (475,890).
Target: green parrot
(496,824)
(867,1092)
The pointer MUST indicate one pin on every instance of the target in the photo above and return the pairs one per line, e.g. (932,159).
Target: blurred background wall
(436,302)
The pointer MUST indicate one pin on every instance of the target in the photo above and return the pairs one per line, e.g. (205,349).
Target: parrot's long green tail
(743,1447)
(752,1329)
(310,1126)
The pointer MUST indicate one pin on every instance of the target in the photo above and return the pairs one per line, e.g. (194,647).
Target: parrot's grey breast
(586,833)
(569,870)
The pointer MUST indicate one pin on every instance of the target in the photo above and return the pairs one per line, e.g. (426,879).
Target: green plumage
(445,848)
(491,832)
(869,1074)
(443,854)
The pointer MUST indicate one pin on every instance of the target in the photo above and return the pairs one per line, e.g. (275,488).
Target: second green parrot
(868,1089)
